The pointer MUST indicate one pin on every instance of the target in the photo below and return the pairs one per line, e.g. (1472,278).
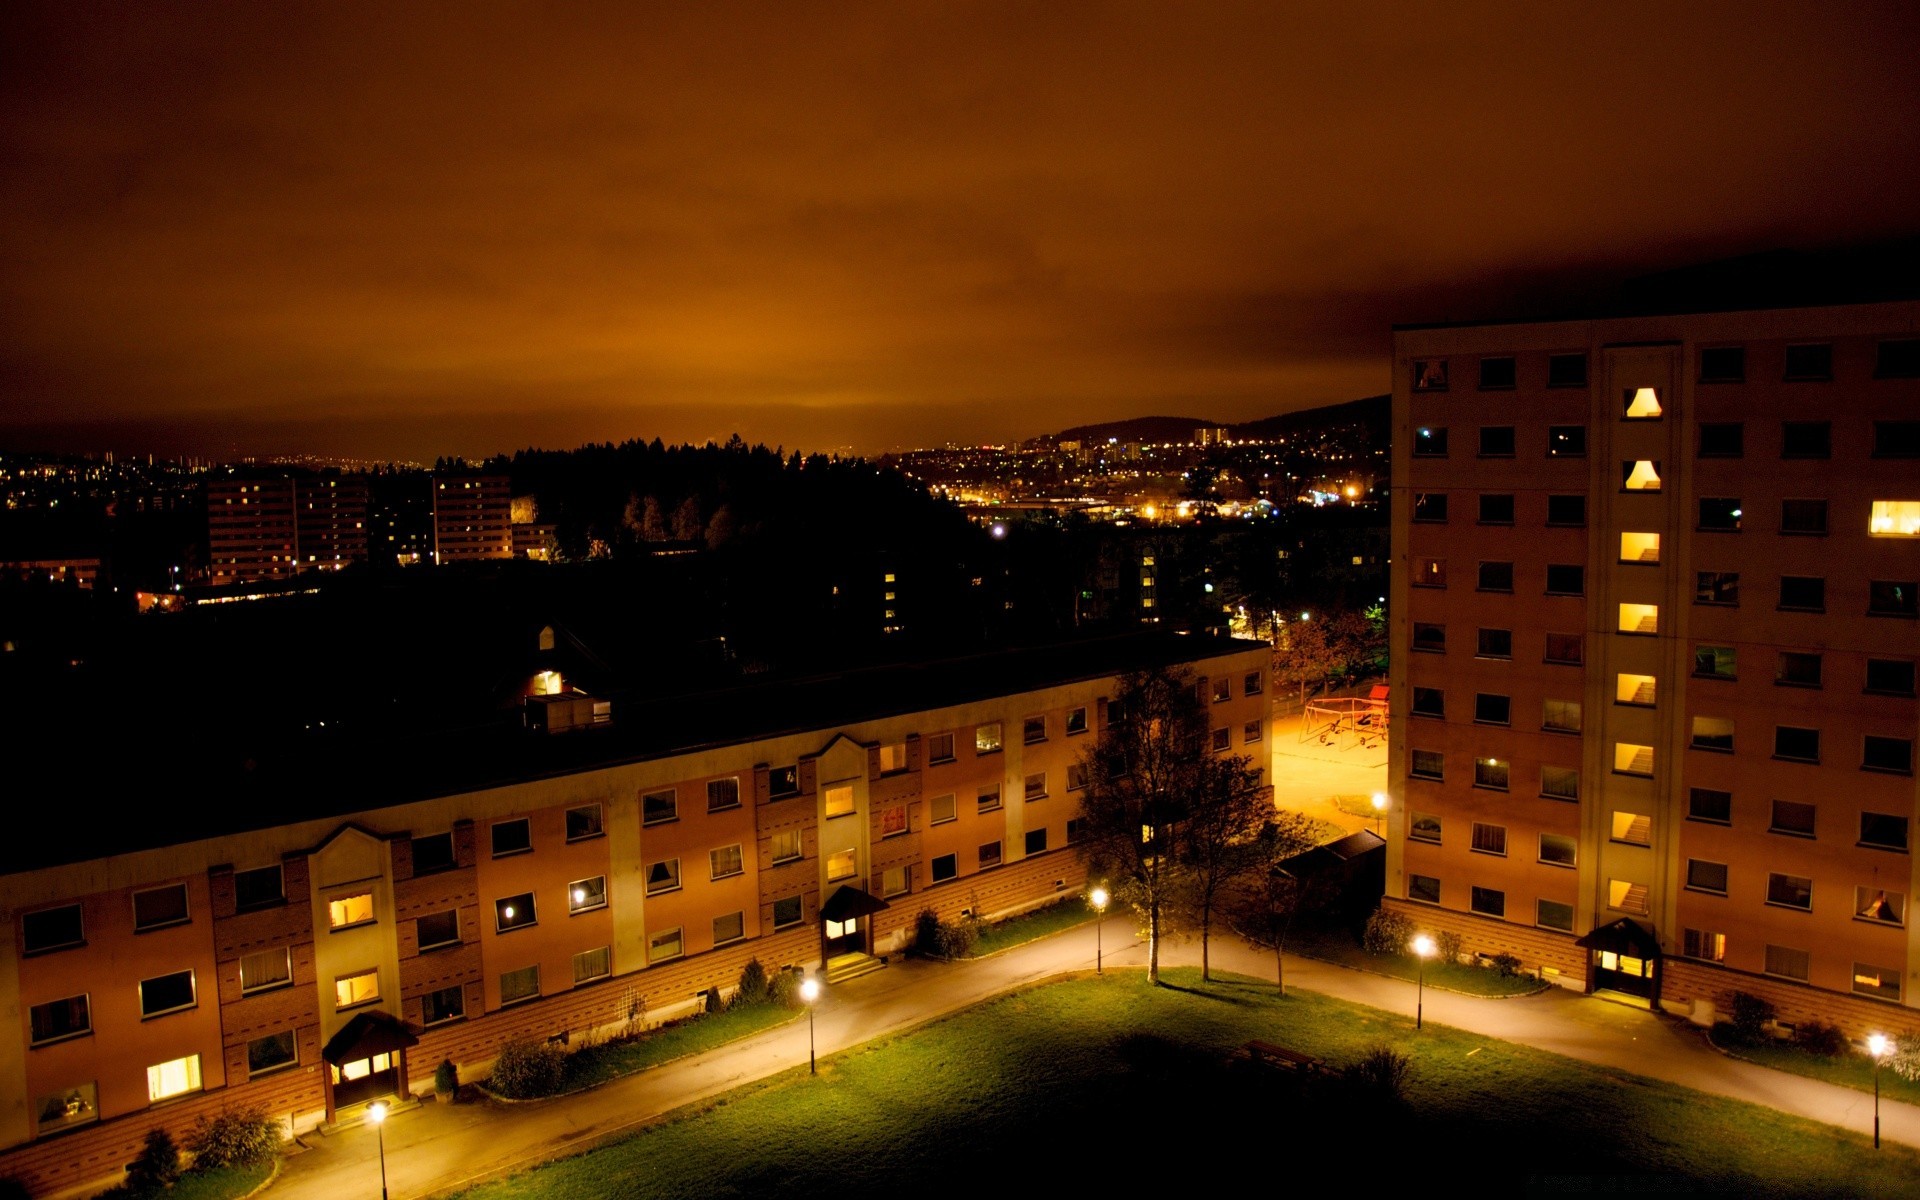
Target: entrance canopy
(850,903)
(1622,937)
(368,1034)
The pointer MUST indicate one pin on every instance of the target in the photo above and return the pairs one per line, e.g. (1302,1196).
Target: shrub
(238,1137)
(1905,1056)
(527,1069)
(1748,1017)
(156,1168)
(1388,932)
(926,932)
(713,1003)
(1507,964)
(1380,1073)
(937,938)
(446,1077)
(1447,944)
(754,988)
(1820,1039)
(785,990)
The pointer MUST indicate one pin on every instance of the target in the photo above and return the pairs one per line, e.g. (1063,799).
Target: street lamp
(1098,898)
(1877,1045)
(1423,949)
(809,992)
(377,1113)
(1379,810)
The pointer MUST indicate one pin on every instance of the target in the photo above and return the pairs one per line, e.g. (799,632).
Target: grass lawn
(221,1183)
(1108,1086)
(1337,946)
(611,1060)
(1849,1070)
(1031,926)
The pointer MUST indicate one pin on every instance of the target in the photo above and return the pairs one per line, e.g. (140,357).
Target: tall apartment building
(331,522)
(1654,640)
(252,533)
(472,518)
(538,884)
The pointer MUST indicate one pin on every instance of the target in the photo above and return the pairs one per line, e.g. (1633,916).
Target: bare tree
(1265,897)
(1217,841)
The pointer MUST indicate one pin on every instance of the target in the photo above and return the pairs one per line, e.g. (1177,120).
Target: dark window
(1892,676)
(1496,441)
(1430,638)
(1430,442)
(1886,831)
(1567,370)
(433,852)
(1806,439)
(1489,902)
(584,823)
(1036,841)
(1792,817)
(1551,914)
(989,855)
(1566,648)
(260,888)
(1496,576)
(944,868)
(656,807)
(1034,729)
(1705,804)
(58,1019)
(723,794)
(1712,733)
(786,910)
(1077,717)
(1717,587)
(438,929)
(1719,515)
(1496,373)
(1800,745)
(511,837)
(1428,764)
(273,1050)
(1565,580)
(1803,516)
(1891,597)
(783,781)
(1792,891)
(1076,830)
(1496,508)
(1896,439)
(940,747)
(1566,510)
(1704,876)
(514,912)
(166,993)
(1424,888)
(1490,709)
(1430,507)
(1722,439)
(447,1004)
(1714,662)
(1723,364)
(1429,702)
(1897,359)
(160,907)
(1798,669)
(1489,839)
(1787,961)
(1810,361)
(52,929)
(1888,754)
(1495,643)
(1424,827)
(1803,593)
(1566,441)
(1492,773)
(1429,374)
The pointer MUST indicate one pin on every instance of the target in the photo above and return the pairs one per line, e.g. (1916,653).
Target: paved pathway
(437,1148)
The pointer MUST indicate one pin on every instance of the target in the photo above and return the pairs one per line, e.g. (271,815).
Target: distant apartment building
(1654,639)
(472,518)
(331,522)
(400,519)
(252,532)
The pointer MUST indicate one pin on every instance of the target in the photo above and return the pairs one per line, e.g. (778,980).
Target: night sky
(407,230)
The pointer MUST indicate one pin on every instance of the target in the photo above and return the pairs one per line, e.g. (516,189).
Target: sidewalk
(439,1148)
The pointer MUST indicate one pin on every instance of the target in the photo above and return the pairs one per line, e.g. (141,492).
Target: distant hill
(1137,429)
(1374,411)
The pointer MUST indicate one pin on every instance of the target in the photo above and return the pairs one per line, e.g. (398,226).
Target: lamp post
(1877,1045)
(377,1113)
(1422,949)
(1098,898)
(809,992)
(1379,810)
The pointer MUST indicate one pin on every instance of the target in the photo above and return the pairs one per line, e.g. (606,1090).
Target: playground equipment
(1333,720)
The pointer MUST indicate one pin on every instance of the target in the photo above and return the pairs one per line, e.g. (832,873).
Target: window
(1789,891)
(942,809)
(1627,896)
(1713,662)
(1717,587)
(1424,888)
(783,781)
(1560,783)
(1787,962)
(1222,739)
(896,881)
(1076,830)
(1894,518)
(1798,669)
(57,1020)
(1222,690)
(1566,580)
(511,837)
(1427,764)
(1896,439)
(1719,515)
(663,876)
(893,758)
(945,867)
(986,738)
(514,912)
(1036,786)
(1878,904)
(1491,773)
(1704,876)
(1704,945)
(584,823)
(730,927)
(1640,548)
(839,800)
(723,794)
(1424,827)
(1883,831)
(1799,745)
(71,1106)
(1792,817)
(1429,702)
(786,845)
(1429,374)
(1430,442)
(1631,759)
(346,912)
(940,747)
(1806,439)
(1430,508)
(1559,850)
(264,887)
(52,929)
(1566,441)
(158,908)
(175,1078)
(589,965)
(1880,982)
(786,912)
(437,929)
(1725,439)
(1496,374)
(1561,716)
(1491,709)
(1887,754)
(1640,618)
(1496,441)
(361,987)
(1723,364)
(988,798)
(1552,914)
(266,969)
(1567,370)
(1429,573)
(1496,577)
(1713,733)
(1077,776)
(1640,475)
(517,986)
(841,864)
(664,946)
(1810,362)
(1428,638)
(1897,358)
(1567,510)
(1569,648)
(1252,732)
(1077,717)
(1631,828)
(659,807)
(443,1005)
(1036,841)
(1034,729)
(1489,903)
(272,1051)
(1489,839)
(1892,598)
(1707,804)
(585,895)
(1890,676)
(1803,516)
(1636,691)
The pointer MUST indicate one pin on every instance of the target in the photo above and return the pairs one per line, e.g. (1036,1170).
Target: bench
(1279,1056)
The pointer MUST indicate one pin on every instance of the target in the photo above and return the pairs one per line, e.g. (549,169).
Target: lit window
(1635,829)
(1642,404)
(1627,896)
(1633,689)
(1076,720)
(175,1078)
(1712,733)
(1642,475)
(786,846)
(840,865)
(1880,982)
(1639,547)
(75,1105)
(1704,944)
(1491,773)
(362,987)
(266,969)
(585,895)
(1429,572)
(1878,904)
(1895,518)
(1630,759)
(986,738)
(1639,618)
(839,800)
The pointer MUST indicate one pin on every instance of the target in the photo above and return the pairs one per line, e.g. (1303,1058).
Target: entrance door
(1623,973)
(846,937)
(366,1079)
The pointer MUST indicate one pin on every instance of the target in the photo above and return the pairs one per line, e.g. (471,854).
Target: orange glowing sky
(405,230)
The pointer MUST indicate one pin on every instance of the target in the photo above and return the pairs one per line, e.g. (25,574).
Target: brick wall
(1689,980)
(1535,948)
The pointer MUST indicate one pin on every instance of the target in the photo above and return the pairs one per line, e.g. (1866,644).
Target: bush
(926,932)
(1381,1073)
(446,1077)
(157,1167)
(713,1003)
(1747,1018)
(754,988)
(1447,946)
(1905,1056)
(1820,1039)
(1507,965)
(528,1069)
(938,939)
(1388,932)
(785,990)
(238,1137)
